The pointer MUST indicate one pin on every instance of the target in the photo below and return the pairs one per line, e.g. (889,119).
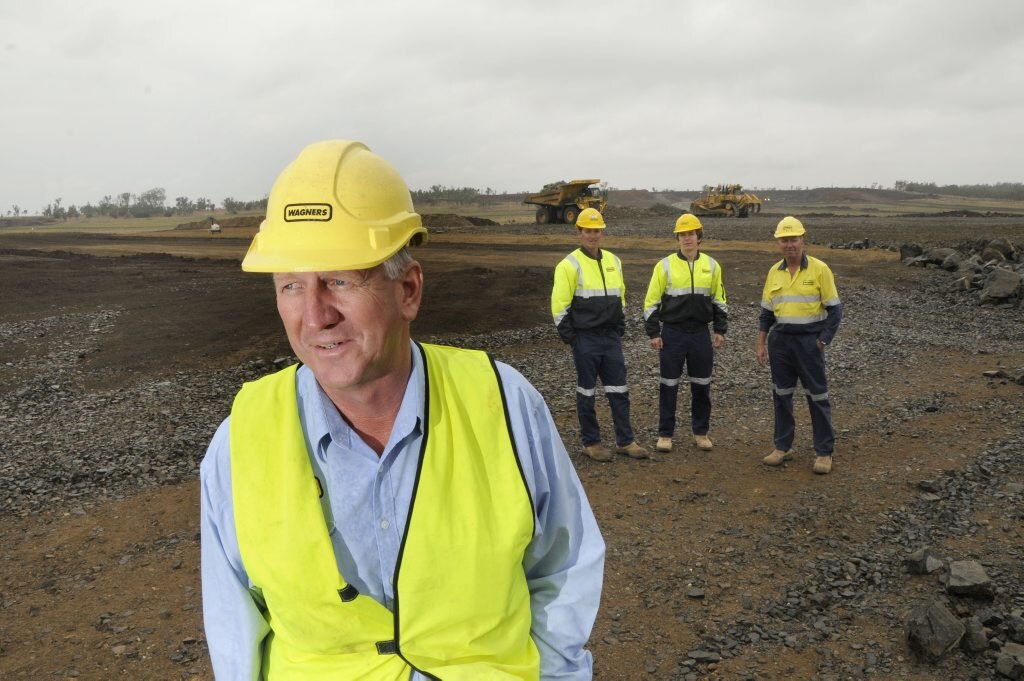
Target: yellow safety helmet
(590,218)
(338,206)
(789,226)
(688,222)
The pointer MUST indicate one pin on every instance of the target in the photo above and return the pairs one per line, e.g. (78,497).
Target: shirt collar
(803,263)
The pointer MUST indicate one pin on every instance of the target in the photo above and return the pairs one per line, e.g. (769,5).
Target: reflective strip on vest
(468,527)
(592,292)
(802,320)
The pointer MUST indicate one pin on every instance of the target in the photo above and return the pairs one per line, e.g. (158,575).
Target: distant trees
(439,192)
(147,204)
(1000,190)
(233,205)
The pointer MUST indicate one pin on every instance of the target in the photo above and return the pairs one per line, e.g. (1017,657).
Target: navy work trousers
(796,356)
(692,350)
(600,356)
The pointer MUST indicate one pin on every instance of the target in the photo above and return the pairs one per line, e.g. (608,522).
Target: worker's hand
(717,340)
(821,346)
(657,343)
(762,355)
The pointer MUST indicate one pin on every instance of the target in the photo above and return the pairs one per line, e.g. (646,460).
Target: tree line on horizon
(999,190)
(153,202)
(150,203)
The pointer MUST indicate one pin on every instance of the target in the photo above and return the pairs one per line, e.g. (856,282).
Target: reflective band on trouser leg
(815,381)
(586,388)
(700,361)
(613,376)
(671,360)
(782,361)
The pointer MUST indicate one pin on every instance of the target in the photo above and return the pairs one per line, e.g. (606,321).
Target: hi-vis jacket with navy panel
(589,295)
(685,296)
(805,303)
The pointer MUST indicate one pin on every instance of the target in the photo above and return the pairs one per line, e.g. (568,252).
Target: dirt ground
(114,591)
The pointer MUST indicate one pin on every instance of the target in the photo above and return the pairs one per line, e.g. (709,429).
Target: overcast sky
(212,98)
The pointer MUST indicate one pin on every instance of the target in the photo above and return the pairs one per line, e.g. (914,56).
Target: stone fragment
(924,561)
(932,630)
(974,640)
(968,578)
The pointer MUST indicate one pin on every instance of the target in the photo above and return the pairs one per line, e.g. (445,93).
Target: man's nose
(320,310)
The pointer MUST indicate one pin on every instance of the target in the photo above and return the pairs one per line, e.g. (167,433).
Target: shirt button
(384,524)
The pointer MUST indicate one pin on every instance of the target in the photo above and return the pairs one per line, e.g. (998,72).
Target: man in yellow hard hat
(686,293)
(386,509)
(800,314)
(587,302)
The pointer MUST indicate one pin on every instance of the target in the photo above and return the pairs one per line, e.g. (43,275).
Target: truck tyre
(543,217)
(570,214)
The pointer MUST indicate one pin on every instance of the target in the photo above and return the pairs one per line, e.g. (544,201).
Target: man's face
(349,327)
(688,241)
(791,246)
(591,238)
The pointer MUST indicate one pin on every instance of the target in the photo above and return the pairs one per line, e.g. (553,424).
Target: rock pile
(991,271)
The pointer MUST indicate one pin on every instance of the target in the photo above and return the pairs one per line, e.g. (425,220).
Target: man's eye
(340,283)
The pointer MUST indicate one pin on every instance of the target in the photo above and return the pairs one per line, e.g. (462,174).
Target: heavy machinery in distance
(725,200)
(561,202)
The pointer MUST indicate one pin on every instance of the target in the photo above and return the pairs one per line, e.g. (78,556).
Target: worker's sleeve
(833,306)
(232,612)
(561,300)
(621,326)
(766,320)
(564,562)
(652,301)
(719,304)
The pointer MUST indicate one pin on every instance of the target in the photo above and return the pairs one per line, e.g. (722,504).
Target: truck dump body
(561,202)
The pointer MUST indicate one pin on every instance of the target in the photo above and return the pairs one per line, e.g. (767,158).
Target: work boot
(822,465)
(664,444)
(777,457)
(703,442)
(598,452)
(633,451)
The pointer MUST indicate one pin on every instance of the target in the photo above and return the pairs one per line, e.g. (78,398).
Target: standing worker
(587,302)
(386,509)
(686,293)
(800,314)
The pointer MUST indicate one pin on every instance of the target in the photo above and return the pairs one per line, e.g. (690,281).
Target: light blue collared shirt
(366,502)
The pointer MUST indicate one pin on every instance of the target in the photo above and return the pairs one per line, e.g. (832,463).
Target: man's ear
(411,291)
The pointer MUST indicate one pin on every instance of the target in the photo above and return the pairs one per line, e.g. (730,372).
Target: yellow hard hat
(338,206)
(789,226)
(590,218)
(687,222)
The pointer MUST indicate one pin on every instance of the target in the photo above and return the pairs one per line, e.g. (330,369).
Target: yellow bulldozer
(561,202)
(725,200)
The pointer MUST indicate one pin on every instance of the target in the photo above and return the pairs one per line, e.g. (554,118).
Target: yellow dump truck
(562,201)
(725,200)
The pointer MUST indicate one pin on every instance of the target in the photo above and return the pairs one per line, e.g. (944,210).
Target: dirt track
(109,588)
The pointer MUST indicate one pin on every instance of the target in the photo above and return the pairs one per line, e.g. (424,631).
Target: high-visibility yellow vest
(462,605)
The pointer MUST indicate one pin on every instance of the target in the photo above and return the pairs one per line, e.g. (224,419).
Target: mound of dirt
(246,221)
(452,220)
(658,210)
(32,221)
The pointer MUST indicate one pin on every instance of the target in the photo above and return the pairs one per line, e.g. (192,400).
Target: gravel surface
(72,448)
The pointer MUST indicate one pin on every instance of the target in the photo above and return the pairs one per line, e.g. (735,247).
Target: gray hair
(394,267)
